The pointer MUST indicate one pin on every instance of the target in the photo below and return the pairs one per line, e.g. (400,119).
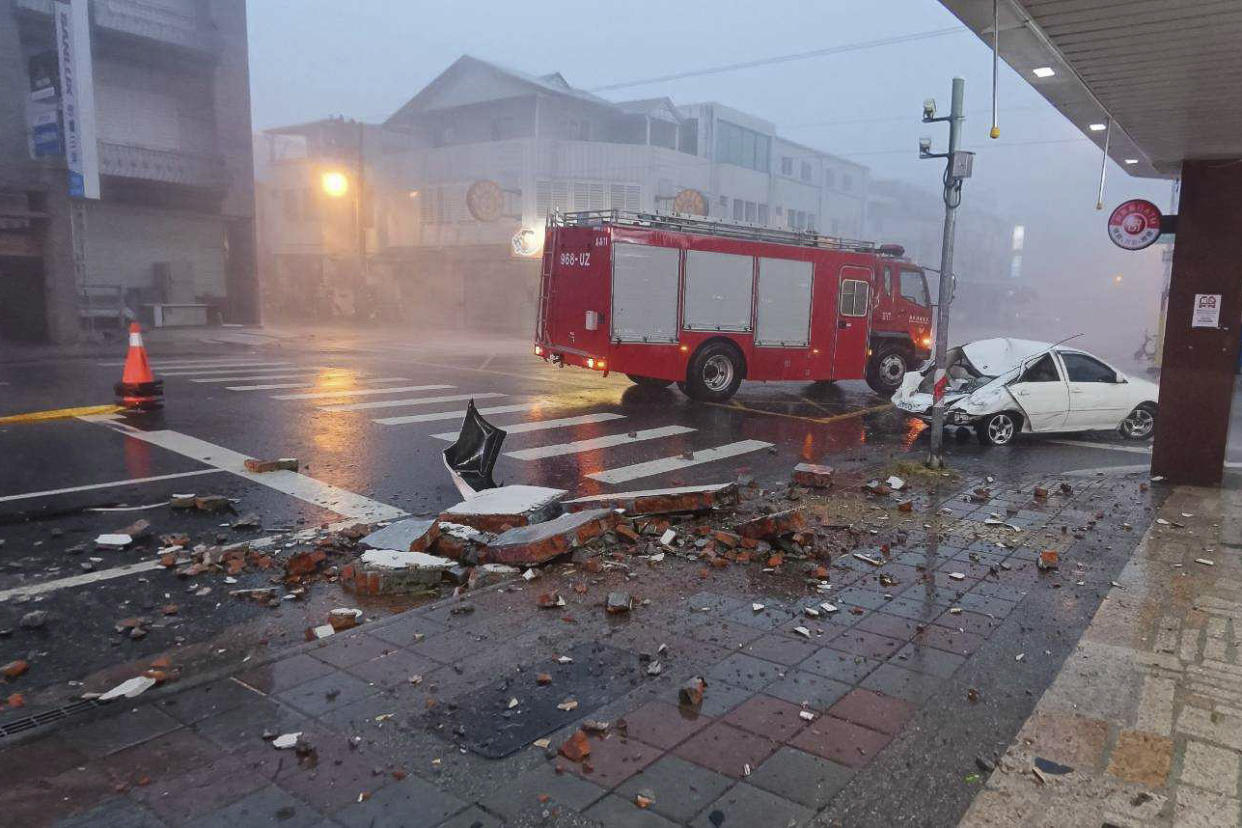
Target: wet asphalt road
(218,402)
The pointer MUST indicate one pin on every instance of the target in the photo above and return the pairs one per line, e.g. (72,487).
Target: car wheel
(887,368)
(998,429)
(649,382)
(1140,423)
(714,373)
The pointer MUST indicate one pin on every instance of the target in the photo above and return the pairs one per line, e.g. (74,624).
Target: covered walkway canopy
(1163,80)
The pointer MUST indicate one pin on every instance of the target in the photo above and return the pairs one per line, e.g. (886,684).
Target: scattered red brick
(813,476)
(577,747)
(263,466)
(774,525)
(1049,559)
(691,693)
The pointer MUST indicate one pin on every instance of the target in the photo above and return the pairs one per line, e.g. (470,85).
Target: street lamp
(334,183)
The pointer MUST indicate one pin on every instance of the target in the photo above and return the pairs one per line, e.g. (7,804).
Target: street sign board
(1135,224)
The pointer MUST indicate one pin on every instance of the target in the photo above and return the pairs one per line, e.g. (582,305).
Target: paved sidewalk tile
(742,670)
(117,812)
(726,749)
(267,806)
(748,805)
(801,687)
(472,817)
(873,710)
(524,795)
(614,812)
(613,760)
(326,693)
(664,725)
(120,730)
(840,741)
(801,777)
(409,803)
(680,788)
(285,673)
(767,716)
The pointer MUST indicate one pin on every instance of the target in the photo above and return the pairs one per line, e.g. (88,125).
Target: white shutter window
(783,306)
(644,293)
(718,291)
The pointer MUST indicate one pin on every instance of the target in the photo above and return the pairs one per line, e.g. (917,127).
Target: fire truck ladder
(684,223)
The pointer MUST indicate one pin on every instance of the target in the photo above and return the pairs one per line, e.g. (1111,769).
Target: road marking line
(256,377)
(324,395)
(79,580)
(133,481)
(542,425)
(177,365)
(1104,446)
(490,395)
(450,415)
(342,501)
(262,368)
(667,464)
(606,441)
(736,406)
(325,385)
(60,414)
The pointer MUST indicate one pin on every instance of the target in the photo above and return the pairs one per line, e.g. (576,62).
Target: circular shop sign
(485,200)
(1135,224)
(691,202)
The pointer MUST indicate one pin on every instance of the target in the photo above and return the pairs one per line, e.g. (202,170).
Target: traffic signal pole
(957,168)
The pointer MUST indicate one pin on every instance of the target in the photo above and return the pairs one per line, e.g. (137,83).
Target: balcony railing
(169,167)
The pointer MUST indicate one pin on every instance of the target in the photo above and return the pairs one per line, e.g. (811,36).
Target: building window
(724,201)
(739,210)
(806,170)
(742,147)
(786,165)
(752,213)
(780,211)
(830,178)
(763,214)
(811,221)
(847,182)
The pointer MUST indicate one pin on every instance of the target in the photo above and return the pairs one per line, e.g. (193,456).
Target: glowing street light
(335,184)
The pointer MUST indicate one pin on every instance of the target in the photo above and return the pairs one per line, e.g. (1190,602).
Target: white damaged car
(1003,387)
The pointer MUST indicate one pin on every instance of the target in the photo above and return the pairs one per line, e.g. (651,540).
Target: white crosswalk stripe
(607,441)
(256,377)
(364,406)
(449,415)
(176,365)
(326,395)
(261,368)
(327,385)
(542,425)
(667,464)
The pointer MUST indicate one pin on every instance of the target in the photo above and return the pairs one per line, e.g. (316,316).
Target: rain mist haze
(315,58)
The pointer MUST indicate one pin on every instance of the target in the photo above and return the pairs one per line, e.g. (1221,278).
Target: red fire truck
(706,303)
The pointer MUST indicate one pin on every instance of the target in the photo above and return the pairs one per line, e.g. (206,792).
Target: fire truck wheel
(887,367)
(649,382)
(714,373)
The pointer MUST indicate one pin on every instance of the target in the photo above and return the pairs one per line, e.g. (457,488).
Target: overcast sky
(364,58)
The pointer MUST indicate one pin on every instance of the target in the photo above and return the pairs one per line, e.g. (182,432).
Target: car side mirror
(1119,377)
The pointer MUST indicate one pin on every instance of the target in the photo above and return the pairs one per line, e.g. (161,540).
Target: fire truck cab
(706,303)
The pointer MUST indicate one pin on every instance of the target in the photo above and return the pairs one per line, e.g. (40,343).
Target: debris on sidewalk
(287,741)
(813,476)
(33,620)
(387,571)
(691,693)
(677,500)
(496,510)
(414,534)
(113,541)
(264,466)
(130,688)
(14,669)
(577,747)
(541,542)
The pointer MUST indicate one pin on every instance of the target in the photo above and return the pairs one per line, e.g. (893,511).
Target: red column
(1197,371)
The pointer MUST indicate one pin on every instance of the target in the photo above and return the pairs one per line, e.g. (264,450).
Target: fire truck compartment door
(644,293)
(784,307)
(718,290)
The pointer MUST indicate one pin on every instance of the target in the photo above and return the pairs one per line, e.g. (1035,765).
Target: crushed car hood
(993,357)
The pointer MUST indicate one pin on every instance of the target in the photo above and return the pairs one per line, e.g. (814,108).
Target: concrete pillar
(1197,370)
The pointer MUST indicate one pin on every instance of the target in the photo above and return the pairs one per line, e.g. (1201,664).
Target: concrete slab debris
(113,541)
(279,464)
(494,510)
(387,571)
(129,688)
(415,534)
(660,501)
(541,542)
(813,475)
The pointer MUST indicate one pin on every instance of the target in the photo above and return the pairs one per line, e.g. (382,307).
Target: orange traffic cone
(138,388)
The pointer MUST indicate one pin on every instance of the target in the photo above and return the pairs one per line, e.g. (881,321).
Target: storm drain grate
(16,726)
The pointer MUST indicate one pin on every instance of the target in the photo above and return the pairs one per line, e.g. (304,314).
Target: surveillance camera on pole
(958,166)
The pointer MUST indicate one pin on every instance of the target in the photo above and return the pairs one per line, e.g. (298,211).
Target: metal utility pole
(958,167)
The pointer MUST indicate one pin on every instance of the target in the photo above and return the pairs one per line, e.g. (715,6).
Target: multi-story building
(168,233)
(457,184)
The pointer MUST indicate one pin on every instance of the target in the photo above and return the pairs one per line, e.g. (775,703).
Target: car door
(1042,393)
(1097,399)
